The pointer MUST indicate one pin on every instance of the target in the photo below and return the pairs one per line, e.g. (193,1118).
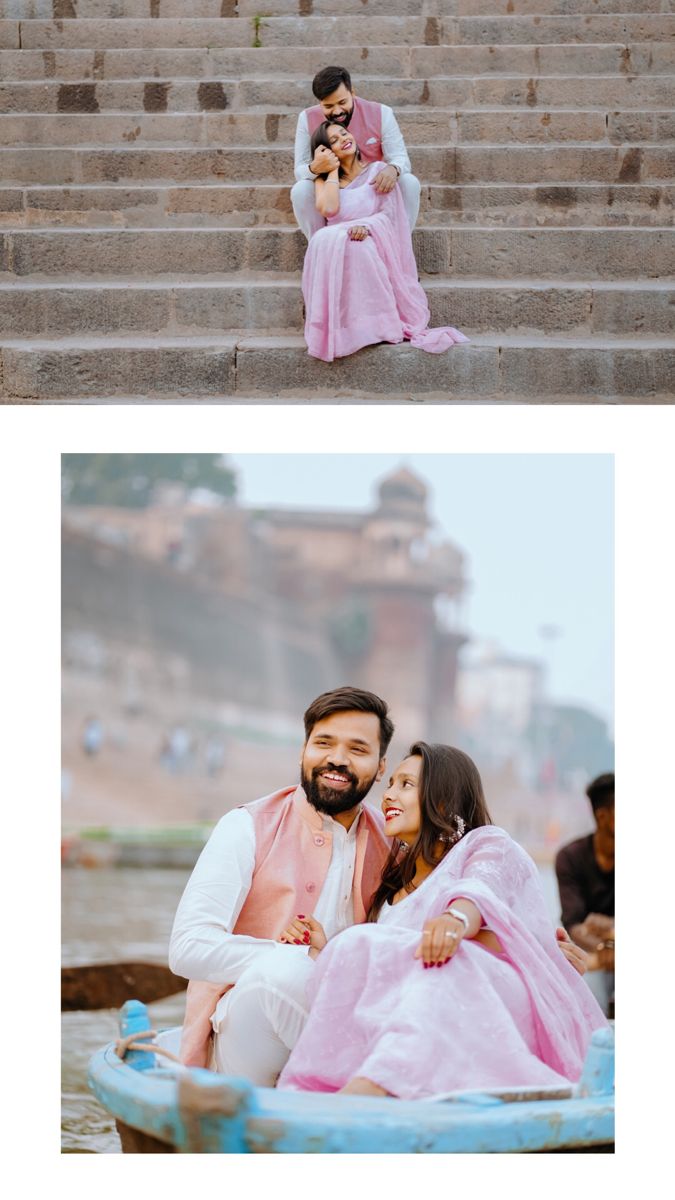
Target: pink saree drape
(524,1017)
(360,293)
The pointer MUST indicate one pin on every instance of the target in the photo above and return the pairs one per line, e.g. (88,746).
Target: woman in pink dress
(359,279)
(456,981)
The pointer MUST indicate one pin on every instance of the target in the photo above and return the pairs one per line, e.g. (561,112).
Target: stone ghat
(147,246)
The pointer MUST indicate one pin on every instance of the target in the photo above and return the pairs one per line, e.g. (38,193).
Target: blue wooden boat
(171,1108)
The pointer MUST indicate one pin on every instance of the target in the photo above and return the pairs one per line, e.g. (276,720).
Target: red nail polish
(297,941)
(301,916)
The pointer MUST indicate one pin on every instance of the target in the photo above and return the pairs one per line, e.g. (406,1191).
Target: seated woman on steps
(359,279)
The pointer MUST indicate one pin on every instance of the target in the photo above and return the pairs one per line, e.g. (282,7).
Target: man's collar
(312,817)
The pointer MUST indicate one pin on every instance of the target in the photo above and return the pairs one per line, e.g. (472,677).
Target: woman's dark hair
(449,787)
(350,699)
(320,138)
(328,81)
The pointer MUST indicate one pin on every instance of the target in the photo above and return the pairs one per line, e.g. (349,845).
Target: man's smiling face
(341,760)
(339,105)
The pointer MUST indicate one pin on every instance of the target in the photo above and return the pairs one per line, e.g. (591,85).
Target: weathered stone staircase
(149,251)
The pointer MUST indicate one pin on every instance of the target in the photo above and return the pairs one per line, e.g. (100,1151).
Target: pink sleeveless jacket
(293,853)
(365,125)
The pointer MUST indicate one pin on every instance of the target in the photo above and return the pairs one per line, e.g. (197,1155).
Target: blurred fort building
(199,609)
(198,615)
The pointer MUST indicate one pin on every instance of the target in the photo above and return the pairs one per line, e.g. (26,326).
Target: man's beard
(344,120)
(326,799)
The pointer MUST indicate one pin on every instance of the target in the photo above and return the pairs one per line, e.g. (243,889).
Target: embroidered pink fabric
(360,293)
(524,1017)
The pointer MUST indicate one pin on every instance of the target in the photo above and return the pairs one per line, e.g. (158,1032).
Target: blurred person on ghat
(311,853)
(585,871)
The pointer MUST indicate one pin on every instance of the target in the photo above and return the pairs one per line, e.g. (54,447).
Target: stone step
(421,62)
(426,127)
(248,9)
(605,92)
(339,397)
(200,307)
(481,163)
(526,368)
(463,252)
(269,204)
(468,8)
(327,30)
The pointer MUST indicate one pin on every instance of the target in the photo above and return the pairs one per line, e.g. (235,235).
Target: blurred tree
(129,480)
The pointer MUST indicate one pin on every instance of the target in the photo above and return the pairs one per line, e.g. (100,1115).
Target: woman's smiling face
(341,141)
(401,801)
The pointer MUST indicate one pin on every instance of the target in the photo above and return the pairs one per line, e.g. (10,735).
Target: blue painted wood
(134,1018)
(200,1112)
(597,1077)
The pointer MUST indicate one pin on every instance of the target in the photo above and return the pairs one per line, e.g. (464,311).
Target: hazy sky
(536,529)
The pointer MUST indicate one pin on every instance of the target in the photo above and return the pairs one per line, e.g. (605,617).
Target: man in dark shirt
(585,870)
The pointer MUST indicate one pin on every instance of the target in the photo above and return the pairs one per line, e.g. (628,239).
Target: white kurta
(257,1022)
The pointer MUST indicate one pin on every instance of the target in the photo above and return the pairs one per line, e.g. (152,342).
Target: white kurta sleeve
(393,146)
(202,944)
(303,153)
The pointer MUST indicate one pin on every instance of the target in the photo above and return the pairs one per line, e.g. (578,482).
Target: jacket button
(318,840)
(310,887)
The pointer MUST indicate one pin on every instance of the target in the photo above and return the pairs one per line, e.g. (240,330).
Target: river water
(116,914)
(109,914)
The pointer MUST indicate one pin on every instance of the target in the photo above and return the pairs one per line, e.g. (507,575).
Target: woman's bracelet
(459,916)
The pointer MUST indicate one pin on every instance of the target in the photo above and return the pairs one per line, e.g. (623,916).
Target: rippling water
(110,915)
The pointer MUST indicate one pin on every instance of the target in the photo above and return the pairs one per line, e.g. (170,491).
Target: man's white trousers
(258,1022)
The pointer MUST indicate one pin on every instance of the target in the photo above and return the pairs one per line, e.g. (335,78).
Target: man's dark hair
(601,791)
(328,80)
(350,699)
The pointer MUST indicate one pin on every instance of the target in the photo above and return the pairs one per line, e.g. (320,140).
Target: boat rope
(130,1043)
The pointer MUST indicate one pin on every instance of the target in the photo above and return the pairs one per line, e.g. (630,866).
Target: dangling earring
(451,838)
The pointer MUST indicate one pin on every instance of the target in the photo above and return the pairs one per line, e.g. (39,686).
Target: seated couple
(330,948)
(356,202)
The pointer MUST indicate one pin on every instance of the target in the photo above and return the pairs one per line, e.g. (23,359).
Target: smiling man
(315,849)
(376,132)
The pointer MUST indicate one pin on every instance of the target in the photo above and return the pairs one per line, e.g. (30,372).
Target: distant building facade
(278,604)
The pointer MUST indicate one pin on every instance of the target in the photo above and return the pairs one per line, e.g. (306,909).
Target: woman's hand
(305,931)
(357,233)
(574,954)
(440,938)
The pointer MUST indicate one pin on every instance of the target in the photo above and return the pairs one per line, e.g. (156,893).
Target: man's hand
(386,180)
(357,233)
(599,926)
(573,953)
(605,955)
(324,161)
(305,931)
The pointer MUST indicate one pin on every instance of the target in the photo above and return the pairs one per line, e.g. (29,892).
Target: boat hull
(166,1110)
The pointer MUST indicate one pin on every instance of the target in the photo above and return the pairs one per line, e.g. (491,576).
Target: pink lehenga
(360,293)
(522,1017)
